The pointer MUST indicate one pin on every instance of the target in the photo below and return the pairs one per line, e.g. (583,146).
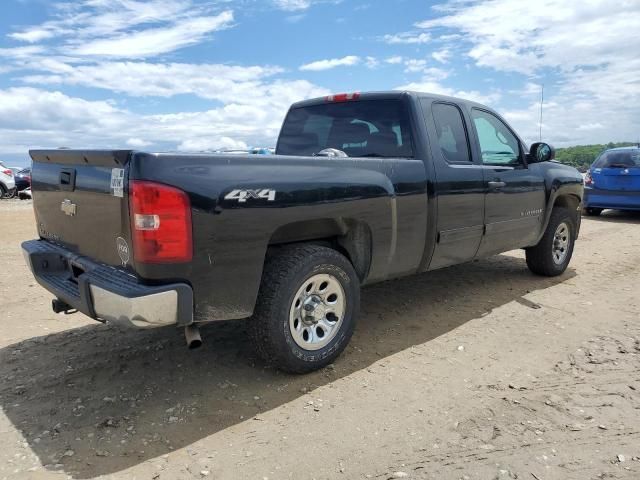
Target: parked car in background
(262,151)
(7,182)
(23,179)
(233,152)
(25,194)
(613,181)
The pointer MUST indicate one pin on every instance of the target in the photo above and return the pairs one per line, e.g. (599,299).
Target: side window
(498,145)
(452,136)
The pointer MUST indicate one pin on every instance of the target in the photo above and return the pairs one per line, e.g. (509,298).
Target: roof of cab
(388,95)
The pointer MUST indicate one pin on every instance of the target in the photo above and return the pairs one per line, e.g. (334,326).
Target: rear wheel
(306,309)
(551,256)
(593,212)
(3,191)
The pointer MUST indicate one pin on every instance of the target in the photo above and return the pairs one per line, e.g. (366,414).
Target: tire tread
(280,266)
(539,259)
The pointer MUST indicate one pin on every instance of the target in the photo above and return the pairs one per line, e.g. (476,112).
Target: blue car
(613,181)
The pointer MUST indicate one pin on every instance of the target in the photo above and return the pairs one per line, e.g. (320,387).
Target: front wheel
(551,256)
(306,309)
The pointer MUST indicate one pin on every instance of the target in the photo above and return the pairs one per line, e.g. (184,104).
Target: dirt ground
(481,371)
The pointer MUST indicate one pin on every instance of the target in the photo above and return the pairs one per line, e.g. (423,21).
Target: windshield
(373,128)
(618,159)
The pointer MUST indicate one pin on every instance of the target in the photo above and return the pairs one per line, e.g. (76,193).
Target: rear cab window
(618,159)
(365,128)
(452,134)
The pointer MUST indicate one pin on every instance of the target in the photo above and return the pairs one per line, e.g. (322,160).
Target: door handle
(497,184)
(68,179)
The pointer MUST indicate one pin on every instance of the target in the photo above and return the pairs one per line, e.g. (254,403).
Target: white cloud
(137,143)
(127,28)
(35,118)
(589,50)
(99,18)
(155,41)
(210,144)
(292,5)
(441,56)
(420,65)
(21,53)
(319,65)
(407,38)
(255,85)
(17,110)
(371,62)
(33,35)
(298,5)
(414,65)
(395,60)
(242,105)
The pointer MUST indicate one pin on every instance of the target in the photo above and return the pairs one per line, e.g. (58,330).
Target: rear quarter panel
(231,237)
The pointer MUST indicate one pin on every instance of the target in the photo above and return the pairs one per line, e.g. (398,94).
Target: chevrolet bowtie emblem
(68,207)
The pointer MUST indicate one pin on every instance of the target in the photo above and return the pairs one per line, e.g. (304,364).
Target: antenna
(541,103)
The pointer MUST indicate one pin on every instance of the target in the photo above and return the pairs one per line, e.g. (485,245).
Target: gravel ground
(481,371)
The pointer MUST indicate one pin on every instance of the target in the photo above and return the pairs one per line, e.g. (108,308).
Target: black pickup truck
(362,188)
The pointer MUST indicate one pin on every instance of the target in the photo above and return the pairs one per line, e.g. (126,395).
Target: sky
(198,75)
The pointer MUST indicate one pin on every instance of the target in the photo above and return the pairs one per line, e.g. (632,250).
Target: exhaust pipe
(192,335)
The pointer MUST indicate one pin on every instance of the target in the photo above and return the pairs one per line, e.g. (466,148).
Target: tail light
(588,179)
(8,172)
(160,223)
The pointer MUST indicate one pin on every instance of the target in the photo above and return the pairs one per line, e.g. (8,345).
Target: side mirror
(541,152)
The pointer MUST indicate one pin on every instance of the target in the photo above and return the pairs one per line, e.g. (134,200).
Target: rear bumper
(106,293)
(22,184)
(617,199)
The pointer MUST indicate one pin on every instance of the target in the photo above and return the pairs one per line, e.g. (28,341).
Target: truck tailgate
(80,202)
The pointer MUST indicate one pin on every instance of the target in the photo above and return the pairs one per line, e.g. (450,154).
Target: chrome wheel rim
(561,241)
(317,311)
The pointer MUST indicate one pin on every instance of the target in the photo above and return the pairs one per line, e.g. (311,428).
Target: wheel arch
(564,197)
(350,237)
(567,200)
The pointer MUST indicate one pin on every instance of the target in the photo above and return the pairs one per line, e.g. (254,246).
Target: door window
(452,136)
(498,145)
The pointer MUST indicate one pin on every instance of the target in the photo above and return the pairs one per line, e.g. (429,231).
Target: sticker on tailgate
(117,182)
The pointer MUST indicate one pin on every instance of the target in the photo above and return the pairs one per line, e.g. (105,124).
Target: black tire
(542,259)
(3,191)
(593,212)
(286,271)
